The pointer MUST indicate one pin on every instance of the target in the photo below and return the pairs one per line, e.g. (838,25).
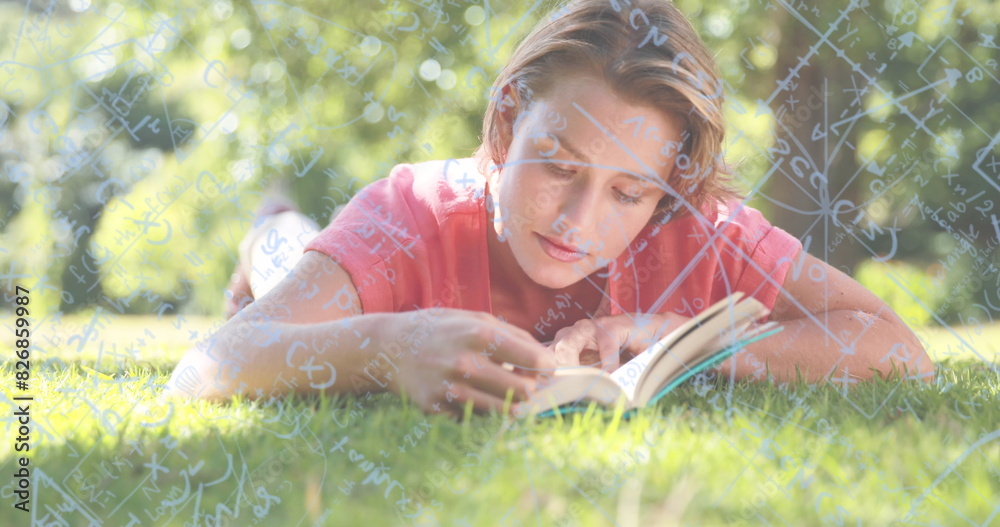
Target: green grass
(712,453)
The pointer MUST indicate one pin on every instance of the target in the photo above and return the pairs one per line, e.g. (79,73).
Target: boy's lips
(558,251)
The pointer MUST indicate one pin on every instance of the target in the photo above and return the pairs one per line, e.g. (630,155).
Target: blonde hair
(650,55)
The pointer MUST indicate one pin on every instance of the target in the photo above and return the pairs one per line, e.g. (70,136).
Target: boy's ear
(507,112)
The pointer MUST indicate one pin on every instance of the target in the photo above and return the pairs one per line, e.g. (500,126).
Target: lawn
(106,451)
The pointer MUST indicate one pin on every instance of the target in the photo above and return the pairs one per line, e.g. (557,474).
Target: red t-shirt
(417,239)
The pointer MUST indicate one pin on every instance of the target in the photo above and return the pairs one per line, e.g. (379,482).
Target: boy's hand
(609,342)
(457,357)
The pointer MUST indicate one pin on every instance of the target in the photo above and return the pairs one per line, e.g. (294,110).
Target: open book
(709,338)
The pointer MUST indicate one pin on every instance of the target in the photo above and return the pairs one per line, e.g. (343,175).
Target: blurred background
(137,139)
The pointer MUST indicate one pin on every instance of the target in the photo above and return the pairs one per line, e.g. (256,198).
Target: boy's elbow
(920,361)
(198,376)
(925,367)
(916,363)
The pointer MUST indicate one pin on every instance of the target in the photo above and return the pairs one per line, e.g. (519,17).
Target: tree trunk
(813,173)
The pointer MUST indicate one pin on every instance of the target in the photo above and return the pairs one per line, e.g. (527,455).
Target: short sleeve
(696,260)
(376,239)
(765,254)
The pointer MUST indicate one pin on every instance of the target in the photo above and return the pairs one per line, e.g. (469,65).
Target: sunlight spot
(475,15)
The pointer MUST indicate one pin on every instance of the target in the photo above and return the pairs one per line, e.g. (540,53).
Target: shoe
(238,294)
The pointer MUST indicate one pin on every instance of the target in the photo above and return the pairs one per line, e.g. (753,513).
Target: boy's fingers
(609,356)
(575,342)
(445,409)
(482,402)
(515,346)
(609,348)
(525,352)
(495,380)
(565,354)
(583,337)
(507,328)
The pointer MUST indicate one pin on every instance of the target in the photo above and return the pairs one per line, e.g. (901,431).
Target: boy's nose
(577,213)
(577,204)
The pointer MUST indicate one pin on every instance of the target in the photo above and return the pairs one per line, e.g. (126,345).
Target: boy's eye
(632,197)
(558,171)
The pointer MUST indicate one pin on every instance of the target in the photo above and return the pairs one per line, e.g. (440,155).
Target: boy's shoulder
(444,187)
(732,219)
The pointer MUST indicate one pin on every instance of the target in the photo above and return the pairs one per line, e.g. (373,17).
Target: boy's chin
(555,283)
(551,274)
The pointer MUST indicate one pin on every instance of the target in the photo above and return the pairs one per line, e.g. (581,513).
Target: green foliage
(907,289)
(165,136)
(102,112)
(894,104)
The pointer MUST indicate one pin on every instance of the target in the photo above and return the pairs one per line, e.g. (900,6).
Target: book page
(698,345)
(628,374)
(570,385)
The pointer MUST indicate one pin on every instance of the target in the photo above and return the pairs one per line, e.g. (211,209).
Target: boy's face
(581,179)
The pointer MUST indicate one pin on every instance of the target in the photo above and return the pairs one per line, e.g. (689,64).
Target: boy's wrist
(393,337)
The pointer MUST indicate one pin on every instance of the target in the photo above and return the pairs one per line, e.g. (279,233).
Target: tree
(871,128)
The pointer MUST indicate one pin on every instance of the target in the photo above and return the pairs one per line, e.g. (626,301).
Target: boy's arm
(833,328)
(833,325)
(294,339)
(309,334)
